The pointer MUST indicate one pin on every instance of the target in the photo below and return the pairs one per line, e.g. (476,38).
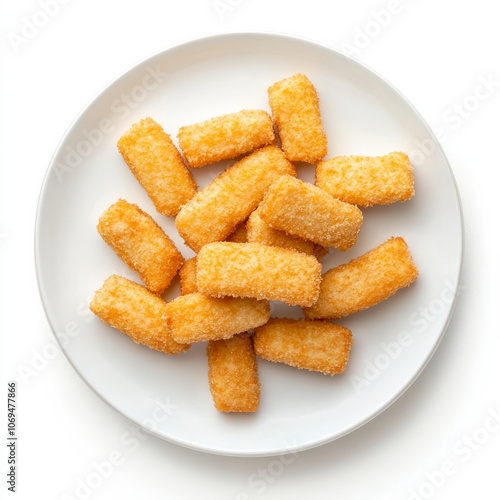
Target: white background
(435,53)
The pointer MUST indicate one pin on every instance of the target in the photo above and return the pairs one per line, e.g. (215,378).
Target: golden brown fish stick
(367,181)
(364,281)
(135,311)
(157,165)
(232,374)
(141,244)
(225,137)
(304,210)
(215,211)
(258,231)
(195,317)
(295,107)
(318,346)
(260,271)
(187,275)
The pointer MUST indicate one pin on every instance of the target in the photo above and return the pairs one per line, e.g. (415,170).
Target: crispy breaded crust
(225,137)
(187,275)
(215,211)
(318,346)
(141,244)
(364,281)
(196,317)
(304,210)
(260,271)
(239,235)
(295,108)
(187,272)
(258,231)
(135,311)
(157,165)
(232,374)
(367,181)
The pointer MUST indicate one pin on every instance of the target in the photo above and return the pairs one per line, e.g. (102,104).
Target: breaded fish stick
(141,244)
(232,374)
(215,211)
(195,317)
(295,107)
(318,346)
(135,311)
(364,281)
(304,210)
(157,165)
(367,181)
(258,231)
(260,271)
(225,137)
(187,275)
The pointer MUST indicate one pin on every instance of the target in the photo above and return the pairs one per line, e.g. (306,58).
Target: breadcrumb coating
(318,346)
(365,281)
(195,317)
(258,231)
(187,275)
(135,311)
(304,210)
(141,244)
(366,181)
(295,107)
(239,235)
(225,137)
(157,165)
(232,374)
(216,210)
(260,271)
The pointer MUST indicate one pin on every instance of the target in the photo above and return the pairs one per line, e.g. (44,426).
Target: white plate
(169,395)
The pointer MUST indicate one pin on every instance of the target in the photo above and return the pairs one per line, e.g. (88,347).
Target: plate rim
(351,60)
